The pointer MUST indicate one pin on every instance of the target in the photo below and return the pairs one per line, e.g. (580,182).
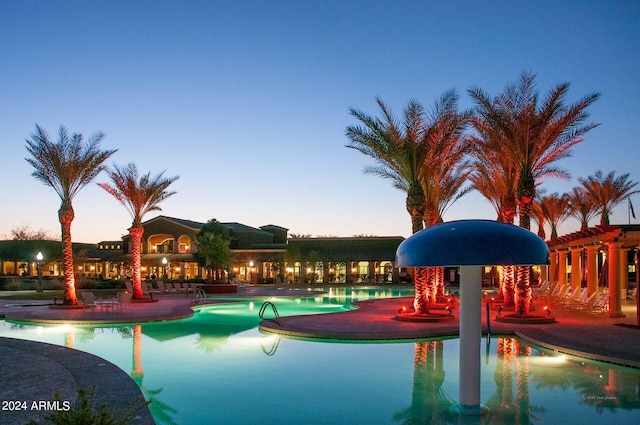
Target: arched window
(184,244)
(160,244)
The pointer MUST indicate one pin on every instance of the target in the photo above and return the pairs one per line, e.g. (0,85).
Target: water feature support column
(470,339)
(471,244)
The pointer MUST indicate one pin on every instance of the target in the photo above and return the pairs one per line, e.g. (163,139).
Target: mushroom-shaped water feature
(471,244)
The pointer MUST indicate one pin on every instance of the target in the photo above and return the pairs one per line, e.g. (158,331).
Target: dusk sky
(248,101)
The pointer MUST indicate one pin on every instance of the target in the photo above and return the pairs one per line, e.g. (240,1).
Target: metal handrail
(275,312)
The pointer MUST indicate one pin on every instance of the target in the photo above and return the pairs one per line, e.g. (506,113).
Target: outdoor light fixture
(471,245)
(164,267)
(548,310)
(500,310)
(39,258)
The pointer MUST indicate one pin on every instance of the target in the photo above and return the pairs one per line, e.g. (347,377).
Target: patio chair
(630,295)
(124,301)
(89,300)
(146,290)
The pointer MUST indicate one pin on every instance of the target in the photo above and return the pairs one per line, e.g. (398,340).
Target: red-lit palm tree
(582,206)
(67,166)
(421,156)
(536,134)
(556,209)
(140,195)
(606,192)
(399,153)
(445,170)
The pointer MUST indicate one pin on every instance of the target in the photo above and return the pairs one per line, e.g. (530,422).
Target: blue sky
(248,101)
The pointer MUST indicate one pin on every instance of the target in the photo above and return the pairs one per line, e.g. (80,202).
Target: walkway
(34,371)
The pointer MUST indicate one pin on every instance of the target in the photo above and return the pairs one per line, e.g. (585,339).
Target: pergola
(614,241)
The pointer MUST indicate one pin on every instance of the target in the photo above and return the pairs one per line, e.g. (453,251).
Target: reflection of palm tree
(161,411)
(429,403)
(140,195)
(66,166)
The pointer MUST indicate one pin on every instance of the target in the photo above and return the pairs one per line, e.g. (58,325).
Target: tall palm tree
(67,166)
(397,150)
(538,216)
(140,195)
(606,192)
(556,209)
(536,135)
(409,154)
(444,171)
(399,154)
(582,206)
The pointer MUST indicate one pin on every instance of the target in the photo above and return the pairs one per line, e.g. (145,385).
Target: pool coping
(55,369)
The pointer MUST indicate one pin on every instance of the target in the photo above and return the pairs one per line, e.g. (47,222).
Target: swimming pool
(216,367)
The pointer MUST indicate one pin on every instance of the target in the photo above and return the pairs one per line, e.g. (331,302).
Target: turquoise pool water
(216,367)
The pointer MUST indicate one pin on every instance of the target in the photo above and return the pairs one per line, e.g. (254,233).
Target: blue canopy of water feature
(472,243)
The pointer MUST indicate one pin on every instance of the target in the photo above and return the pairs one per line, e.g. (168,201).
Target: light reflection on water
(216,367)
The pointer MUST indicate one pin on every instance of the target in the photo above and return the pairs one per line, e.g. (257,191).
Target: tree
(139,195)
(213,243)
(606,192)
(535,135)
(398,151)
(421,155)
(25,233)
(556,209)
(582,206)
(67,166)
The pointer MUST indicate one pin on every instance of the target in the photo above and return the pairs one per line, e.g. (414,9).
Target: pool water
(216,367)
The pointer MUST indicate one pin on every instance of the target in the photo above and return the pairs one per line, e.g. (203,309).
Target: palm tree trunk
(135,234)
(523,293)
(66,216)
(439,284)
(420,289)
(507,283)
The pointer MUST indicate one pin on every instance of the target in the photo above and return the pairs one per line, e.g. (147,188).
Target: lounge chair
(89,300)
(129,286)
(146,290)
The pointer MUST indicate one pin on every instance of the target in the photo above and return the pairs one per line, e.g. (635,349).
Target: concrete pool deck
(35,371)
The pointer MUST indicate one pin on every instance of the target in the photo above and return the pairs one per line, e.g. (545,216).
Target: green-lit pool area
(216,367)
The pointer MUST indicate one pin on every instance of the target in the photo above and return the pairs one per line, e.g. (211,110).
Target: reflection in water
(430,404)
(599,386)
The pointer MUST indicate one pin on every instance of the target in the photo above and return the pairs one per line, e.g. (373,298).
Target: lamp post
(471,244)
(251,272)
(164,267)
(39,258)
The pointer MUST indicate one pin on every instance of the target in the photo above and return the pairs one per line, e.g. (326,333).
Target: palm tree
(536,135)
(140,195)
(400,156)
(582,207)
(556,209)
(606,192)
(67,166)
(445,169)
(397,150)
(421,157)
